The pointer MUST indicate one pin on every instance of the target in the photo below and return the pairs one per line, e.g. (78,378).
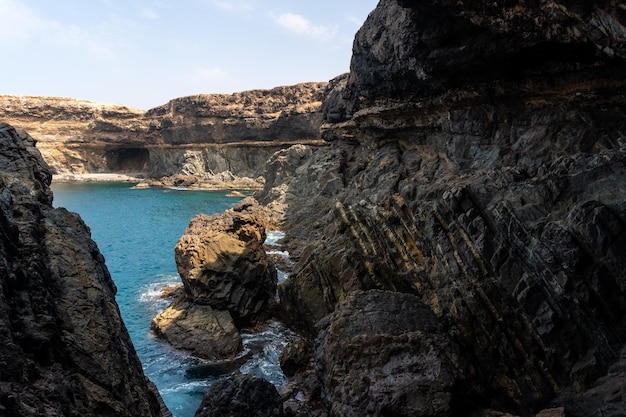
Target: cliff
(189,135)
(461,242)
(64,350)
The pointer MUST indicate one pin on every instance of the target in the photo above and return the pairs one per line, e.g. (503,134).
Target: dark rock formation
(229,282)
(280,114)
(241,395)
(478,163)
(280,169)
(295,357)
(64,350)
(207,134)
(384,354)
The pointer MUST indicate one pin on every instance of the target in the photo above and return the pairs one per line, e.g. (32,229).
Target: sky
(142,53)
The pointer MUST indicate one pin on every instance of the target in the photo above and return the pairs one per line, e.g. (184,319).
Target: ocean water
(136,231)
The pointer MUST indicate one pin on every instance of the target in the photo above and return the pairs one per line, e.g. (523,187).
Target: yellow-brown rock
(199,329)
(229,282)
(222,262)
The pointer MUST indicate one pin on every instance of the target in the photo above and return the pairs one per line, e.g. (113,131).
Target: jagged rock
(480,167)
(383,353)
(302,395)
(64,349)
(222,262)
(224,180)
(199,329)
(241,396)
(408,49)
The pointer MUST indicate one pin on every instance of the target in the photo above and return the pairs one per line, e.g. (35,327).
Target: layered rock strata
(194,137)
(64,350)
(229,282)
(477,166)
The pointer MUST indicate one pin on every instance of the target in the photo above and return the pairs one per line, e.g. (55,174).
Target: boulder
(199,329)
(241,396)
(228,280)
(383,353)
(222,262)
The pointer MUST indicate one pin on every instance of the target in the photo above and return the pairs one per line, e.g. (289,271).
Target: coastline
(237,187)
(94,177)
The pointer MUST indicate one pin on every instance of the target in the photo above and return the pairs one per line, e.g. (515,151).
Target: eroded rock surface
(229,282)
(222,262)
(383,353)
(198,329)
(64,349)
(478,163)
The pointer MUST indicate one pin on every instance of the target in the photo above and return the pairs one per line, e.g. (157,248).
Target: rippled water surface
(136,230)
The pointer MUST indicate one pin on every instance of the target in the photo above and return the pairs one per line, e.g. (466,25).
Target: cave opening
(128,160)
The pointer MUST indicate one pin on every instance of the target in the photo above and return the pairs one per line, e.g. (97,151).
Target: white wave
(274,236)
(282,276)
(266,346)
(283,253)
(153,292)
(195,385)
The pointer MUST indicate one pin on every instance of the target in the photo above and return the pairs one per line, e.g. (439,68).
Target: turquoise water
(136,231)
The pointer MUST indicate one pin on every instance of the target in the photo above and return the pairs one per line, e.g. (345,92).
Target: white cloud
(302,26)
(22,24)
(231,5)
(149,14)
(18,22)
(211,73)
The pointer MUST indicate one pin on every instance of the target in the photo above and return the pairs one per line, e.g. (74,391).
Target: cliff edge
(64,350)
(197,136)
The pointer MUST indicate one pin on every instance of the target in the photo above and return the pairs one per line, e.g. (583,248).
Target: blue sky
(143,53)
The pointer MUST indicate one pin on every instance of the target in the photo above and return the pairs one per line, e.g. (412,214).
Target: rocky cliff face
(64,350)
(477,163)
(209,133)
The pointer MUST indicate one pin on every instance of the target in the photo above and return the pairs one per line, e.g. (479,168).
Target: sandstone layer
(229,282)
(477,163)
(197,137)
(64,350)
